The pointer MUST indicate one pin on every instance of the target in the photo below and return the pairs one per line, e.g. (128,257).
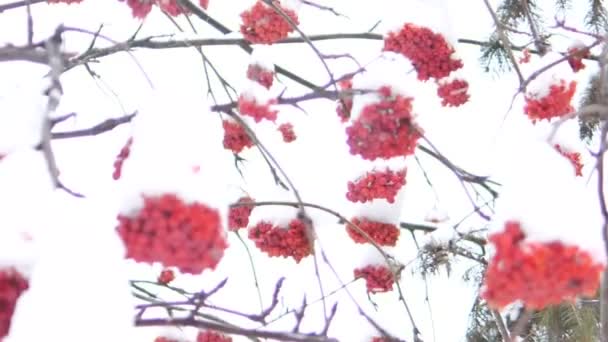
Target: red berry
(260,75)
(574,158)
(258,111)
(376,185)
(238,217)
(429,52)
(263,25)
(166,276)
(167,230)
(453,93)
(12,285)
(383,234)
(554,104)
(526,57)
(290,241)
(538,274)
(287,132)
(378,278)
(575,57)
(212,336)
(120,159)
(236,138)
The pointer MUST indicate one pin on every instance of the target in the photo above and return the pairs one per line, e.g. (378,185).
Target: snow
(81,270)
(389,69)
(262,56)
(437,214)
(540,86)
(548,202)
(278,215)
(256,92)
(293,5)
(440,236)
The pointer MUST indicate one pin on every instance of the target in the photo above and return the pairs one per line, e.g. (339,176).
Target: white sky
(466,135)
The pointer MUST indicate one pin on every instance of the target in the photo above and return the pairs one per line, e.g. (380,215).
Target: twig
(502,328)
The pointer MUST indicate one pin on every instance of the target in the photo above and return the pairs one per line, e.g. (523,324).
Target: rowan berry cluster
(555,104)
(12,285)
(261,24)
(345,105)
(166,276)
(290,241)
(236,138)
(453,93)
(384,129)
(64,1)
(202,336)
(167,230)
(576,54)
(430,53)
(260,75)
(258,111)
(287,132)
(574,158)
(375,185)
(238,217)
(539,274)
(383,234)
(124,153)
(378,278)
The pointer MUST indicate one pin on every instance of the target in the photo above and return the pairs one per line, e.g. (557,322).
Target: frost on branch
(550,94)
(382,122)
(261,24)
(546,235)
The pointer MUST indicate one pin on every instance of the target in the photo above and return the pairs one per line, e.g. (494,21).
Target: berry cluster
(257,111)
(574,158)
(260,75)
(12,285)
(141,8)
(376,184)
(384,234)
(290,241)
(235,137)
(378,278)
(263,25)
(379,339)
(212,336)
(555,104)
(120,159)
(539,274)
(429,52)
(345,105)
(174,233)
(384,129)
(166,276)
(238,217)
(526,57)
(575,57)
(64,1)
(453,93)
(287,132)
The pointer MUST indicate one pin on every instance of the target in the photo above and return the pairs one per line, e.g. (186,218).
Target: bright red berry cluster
(376,184)
(290,241)
(12,285)
(141,8)
(174,233)
(384,234)
(166,276)
(384,129)
(555,104)
(576,56)
(346,104)
(287,132)
(212,336)
(263,25)
(429,52)
(260,75)
(238,217)
(539,274)
(378,278)
(453,93)
(257,111)
(235,137)
(120,159)
(574,158)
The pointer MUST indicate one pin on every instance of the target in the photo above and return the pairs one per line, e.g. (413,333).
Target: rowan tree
(289,182)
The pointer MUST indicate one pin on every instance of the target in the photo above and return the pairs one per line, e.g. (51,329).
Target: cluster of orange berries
(261,24)
(574,158)
(384,129)
(188,236)
(375,185)
(383,234)
(453,93)
(538,274)
(291,241)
